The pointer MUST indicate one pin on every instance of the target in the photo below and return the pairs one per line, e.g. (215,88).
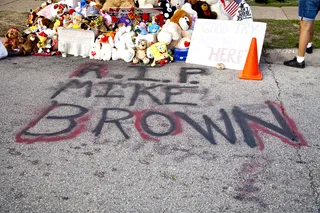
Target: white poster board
(224,41)
(75,41)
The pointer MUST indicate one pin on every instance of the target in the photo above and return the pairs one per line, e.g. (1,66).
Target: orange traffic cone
(251,68)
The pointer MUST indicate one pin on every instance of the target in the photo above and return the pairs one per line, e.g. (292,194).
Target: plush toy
(192,1)
(177,3)
(188,8)
(124,20)
(145,17)
(13,38)
(98,4)
(58,10)
(167,9)
(153,28)
(194,15)
(159,52)
(175,31)
(218,7)
(141,52)
(77,20)
(43,23)
(95,51)
(203,10)
(109,21)
(118,3)
(32,15)
(30,46)
(107,44)
(124,46)
(43,42)
(147,3)
(142,33)
(54,42)
(159,19)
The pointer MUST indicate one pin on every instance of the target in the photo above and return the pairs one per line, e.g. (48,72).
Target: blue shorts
(308,9)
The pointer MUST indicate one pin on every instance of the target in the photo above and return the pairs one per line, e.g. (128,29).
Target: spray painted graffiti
(250,180)
(68,121)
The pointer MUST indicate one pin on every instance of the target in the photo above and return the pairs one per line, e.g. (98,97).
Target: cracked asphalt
(79,135)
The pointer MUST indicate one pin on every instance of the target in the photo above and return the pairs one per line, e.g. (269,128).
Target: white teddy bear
(95,52)
(107,44)
(124,46)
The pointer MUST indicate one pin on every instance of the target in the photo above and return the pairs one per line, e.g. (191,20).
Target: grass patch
(274,3)
(10,18)
(285,34)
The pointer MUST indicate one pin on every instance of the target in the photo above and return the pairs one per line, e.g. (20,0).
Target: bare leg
(311,32)
(306,33)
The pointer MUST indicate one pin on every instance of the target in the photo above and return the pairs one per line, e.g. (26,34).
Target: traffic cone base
(251,68)
(251,77)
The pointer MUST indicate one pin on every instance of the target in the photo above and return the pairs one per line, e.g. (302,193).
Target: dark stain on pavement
(34,162)
(88,153)
(99,174)
(13,151)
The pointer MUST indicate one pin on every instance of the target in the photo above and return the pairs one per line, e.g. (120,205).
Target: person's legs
(307,12)
(311,32)
(306,35)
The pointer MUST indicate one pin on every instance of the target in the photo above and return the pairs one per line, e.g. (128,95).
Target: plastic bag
(3,51)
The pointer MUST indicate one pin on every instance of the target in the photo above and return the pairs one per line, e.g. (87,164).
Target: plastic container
(180,54)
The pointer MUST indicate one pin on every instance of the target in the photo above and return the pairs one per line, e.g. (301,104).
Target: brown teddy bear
(141,52)
(175,32)
(30,46)
(13,39)
(203,10)
(118,3)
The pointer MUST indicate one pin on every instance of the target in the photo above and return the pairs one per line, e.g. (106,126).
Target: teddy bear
(13,39)
(30,46)
(175,32)
(218,7)
(106,43)
(95,51)
(203,10)
(118,3)
(147,3)
(124,46)
(141,52)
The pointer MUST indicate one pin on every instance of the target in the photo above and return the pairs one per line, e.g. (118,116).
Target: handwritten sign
(224,41)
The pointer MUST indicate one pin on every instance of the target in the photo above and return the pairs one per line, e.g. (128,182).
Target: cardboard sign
(224,41)
(75,41)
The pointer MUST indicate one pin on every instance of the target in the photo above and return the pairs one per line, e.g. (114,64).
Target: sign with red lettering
(224,41)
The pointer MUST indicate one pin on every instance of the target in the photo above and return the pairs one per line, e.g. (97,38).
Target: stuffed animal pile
(136,36)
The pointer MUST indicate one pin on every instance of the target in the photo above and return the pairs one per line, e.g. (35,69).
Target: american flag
(232,8)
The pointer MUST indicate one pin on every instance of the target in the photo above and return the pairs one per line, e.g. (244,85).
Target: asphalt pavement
(80,135)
